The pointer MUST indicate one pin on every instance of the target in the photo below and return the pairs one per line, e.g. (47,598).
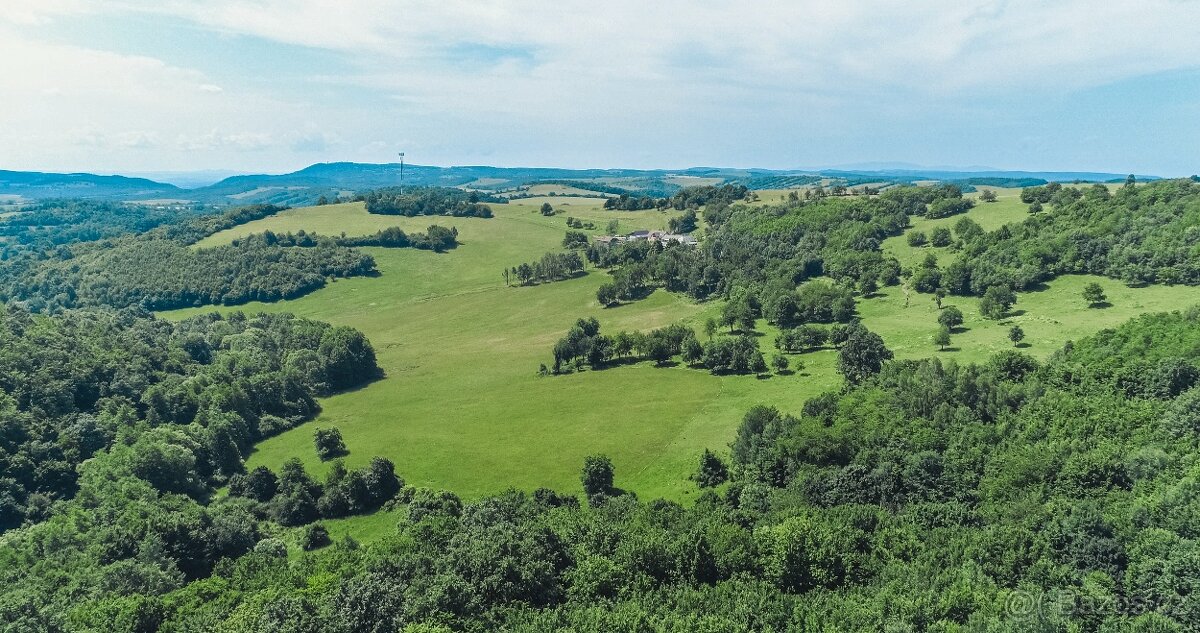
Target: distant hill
(337,179)
(37,185)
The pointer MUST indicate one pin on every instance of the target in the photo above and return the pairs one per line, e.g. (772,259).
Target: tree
(942,337)
(713,471)
(1016,334)
(1093,293)
(693,351)
(547,210)
(329,443)
(758,364)
(780,362)
(951,317)
(862,356)
(606,294)
(613,227)
(987,195)
(1035,206)
(996,301)
(575,239)
(939,295)
(315,536)
(916,238)
(597,476)
(710,327)
(658,349)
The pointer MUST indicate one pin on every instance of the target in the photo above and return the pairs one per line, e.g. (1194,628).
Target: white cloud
(466,76)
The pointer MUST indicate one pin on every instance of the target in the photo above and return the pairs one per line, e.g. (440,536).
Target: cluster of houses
(650,236)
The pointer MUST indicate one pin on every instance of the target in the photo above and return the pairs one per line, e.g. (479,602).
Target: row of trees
(435,238)
(861,353)
(686,198)
(551,267)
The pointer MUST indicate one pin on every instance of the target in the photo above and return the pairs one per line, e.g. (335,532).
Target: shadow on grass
(1022,345)
(950,348)
(1101,305)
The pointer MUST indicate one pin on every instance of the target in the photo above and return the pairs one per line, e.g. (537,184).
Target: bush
(313,537)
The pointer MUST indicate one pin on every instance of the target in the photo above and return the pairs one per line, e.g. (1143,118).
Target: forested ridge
(53,260)
(1007,496)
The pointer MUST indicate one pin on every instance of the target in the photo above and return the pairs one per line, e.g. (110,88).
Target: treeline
(293,498)
(551,267)
(435,238)
(181,402)
(686,198)
(929,496)
(1140,234)
(413,201)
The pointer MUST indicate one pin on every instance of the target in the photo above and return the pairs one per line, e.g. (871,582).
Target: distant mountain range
(339,179)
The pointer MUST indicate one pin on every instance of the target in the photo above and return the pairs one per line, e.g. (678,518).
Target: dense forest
(77,384)
(1007,496)
(54,222)
(429,201)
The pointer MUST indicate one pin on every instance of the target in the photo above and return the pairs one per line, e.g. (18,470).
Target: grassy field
(462,406)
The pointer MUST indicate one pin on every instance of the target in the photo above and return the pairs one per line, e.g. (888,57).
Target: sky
(122,86)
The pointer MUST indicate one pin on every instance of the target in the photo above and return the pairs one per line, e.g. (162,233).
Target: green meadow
(462,406)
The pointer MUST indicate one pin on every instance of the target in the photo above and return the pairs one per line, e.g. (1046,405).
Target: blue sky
(275,85)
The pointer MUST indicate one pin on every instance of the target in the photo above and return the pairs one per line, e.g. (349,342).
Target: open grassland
(462,406)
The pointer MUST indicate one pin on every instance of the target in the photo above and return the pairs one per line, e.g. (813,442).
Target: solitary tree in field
(951,317)
(1016,334)
(1093,293)
(710,327)
(987,195)
(329,443)
(939,295)
(547,210)
(942,337)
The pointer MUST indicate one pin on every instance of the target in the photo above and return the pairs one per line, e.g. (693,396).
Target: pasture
(462,406)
